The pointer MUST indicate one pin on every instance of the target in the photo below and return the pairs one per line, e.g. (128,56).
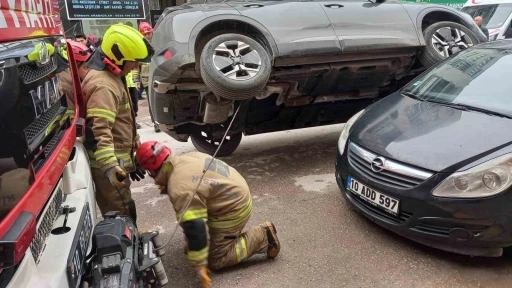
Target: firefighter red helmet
(81,52)
(151,155)
(92,39)
(145,27)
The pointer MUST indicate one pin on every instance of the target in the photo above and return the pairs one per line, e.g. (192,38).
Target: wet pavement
(324,242)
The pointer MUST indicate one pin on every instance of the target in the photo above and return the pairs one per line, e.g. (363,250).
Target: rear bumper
(476,228)
(164,98)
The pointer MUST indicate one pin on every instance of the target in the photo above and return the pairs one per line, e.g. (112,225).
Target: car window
(494,16)
(478,78)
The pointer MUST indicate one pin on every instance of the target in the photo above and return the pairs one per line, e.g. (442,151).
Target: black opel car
(433,161)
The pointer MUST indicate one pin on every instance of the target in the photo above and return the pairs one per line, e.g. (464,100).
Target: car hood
(429,135)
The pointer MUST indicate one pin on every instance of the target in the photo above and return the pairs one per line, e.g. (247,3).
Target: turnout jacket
(66,87)
(110,121)
(223,200)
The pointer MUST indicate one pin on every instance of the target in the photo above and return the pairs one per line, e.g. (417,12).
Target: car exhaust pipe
(217,110)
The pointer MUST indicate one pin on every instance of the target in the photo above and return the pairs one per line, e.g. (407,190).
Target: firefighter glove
(138,174)
(206,282)
(116,176)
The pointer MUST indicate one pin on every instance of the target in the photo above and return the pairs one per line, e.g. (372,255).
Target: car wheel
(204,143)
(235,66)
(444,39)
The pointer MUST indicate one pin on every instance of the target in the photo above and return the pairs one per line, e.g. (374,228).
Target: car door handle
(253,5)
(334,6)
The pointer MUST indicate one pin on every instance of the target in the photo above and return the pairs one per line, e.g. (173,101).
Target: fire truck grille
(48,149)
(41,123)
(45,224)
(30,72)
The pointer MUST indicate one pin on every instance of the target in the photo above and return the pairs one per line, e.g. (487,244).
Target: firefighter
(63,49)
(82,54)
(111,136)
(132,89)
(219,211)
(141,74)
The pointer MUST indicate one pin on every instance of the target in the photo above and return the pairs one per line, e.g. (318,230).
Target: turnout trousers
(109,198)
(230,246)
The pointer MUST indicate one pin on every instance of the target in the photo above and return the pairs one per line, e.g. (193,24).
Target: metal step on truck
(49,234)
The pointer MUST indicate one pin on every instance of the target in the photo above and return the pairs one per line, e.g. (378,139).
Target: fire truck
(49,235)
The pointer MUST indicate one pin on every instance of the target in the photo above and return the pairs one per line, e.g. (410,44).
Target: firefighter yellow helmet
(124,43)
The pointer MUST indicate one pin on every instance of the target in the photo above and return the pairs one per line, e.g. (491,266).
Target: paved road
(324,243)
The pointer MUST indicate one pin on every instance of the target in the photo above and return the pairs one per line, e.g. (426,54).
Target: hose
(200,181)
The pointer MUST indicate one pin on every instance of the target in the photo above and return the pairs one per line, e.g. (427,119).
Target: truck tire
(235,66)
(443,39)
(202,144)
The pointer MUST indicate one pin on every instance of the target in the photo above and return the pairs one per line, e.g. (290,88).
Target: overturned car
(289,64)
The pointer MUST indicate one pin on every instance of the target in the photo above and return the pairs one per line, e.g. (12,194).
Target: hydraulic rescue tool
(123,257)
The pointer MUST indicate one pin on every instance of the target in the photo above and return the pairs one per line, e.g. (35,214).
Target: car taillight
(17,240)
(168,55)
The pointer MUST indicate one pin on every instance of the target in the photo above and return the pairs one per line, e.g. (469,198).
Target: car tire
(233,72)
(202,144)
(442,38)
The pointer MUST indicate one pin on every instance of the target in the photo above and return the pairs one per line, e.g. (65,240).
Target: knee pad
(195,230)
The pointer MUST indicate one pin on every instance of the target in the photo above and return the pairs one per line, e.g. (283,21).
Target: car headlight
(346,130)
(484,180)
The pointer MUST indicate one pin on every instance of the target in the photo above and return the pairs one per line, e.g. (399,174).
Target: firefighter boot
(273,242)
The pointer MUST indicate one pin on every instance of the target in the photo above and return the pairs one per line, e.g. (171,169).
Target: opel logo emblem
(378,164)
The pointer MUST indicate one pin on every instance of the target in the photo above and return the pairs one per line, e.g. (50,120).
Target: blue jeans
(142,89)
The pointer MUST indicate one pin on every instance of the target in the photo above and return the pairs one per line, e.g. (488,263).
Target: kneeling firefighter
(219,210)
(110,135)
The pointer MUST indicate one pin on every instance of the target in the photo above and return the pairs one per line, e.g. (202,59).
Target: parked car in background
(458,4)
(318,63)
(496,14)
(433,161)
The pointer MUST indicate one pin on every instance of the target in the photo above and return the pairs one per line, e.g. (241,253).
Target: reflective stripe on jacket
(129,80)
(64,53)
(110,121)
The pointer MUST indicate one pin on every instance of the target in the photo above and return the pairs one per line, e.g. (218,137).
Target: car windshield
(494,16)
(477,79)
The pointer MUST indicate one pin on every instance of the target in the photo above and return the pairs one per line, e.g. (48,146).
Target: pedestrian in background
(141,75)
(478,21)
(132,89)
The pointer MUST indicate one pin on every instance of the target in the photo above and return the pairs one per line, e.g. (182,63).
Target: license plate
(75,266)
(375,198)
